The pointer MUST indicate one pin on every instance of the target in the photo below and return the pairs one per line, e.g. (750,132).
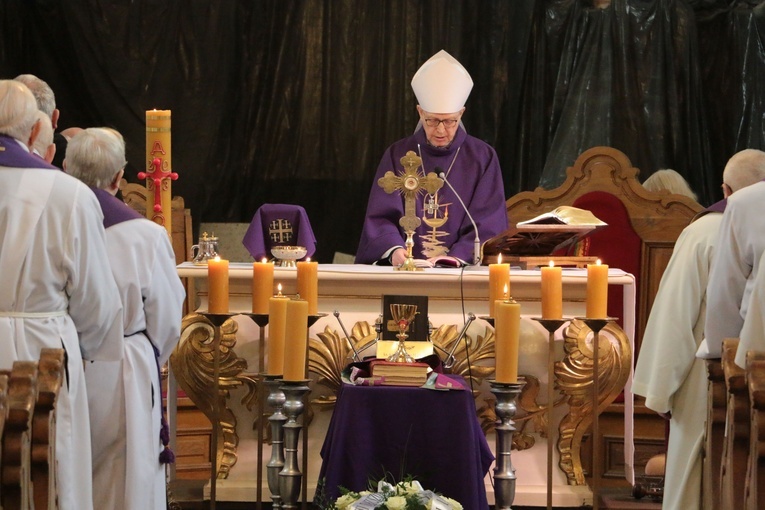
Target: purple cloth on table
(433,436)
(278,225)
(475,175)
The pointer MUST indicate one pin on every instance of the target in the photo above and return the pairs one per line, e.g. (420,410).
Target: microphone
(477,243)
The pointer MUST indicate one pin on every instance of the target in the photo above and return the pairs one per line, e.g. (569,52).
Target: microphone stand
(477,242)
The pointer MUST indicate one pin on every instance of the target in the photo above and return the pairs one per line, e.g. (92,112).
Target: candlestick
(217,282)
(296,340)
(597,290)
(308,284)
(277,326)
(504,472)
(507,325)
(290,476)
(552,292)
(499,283)
(551,325)
(159,168)
(275,464)
(262,285)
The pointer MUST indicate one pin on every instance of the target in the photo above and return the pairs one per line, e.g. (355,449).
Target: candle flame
(264,260)
(505,292)
(217,258)
(598,262)
(279,288)
(308,259)
(552,264)
(499,258)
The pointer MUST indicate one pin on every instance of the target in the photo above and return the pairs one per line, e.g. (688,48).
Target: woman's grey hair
(670,180)
(46,100)
(95,156)
(18,110)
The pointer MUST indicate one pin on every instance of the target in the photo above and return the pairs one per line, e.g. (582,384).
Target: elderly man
(668,373)
(57,287)
(471,166)
(126,396)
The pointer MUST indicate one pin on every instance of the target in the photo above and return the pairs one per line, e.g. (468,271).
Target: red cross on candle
(157,175)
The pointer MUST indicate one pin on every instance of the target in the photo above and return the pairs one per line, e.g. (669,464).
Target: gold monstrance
(410,183)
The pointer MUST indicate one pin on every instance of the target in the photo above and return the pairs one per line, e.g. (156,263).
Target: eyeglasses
(448,123)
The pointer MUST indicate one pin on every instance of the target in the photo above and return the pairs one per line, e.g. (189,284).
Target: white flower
(396,503)
(455,504)
(407,488)
(345,501)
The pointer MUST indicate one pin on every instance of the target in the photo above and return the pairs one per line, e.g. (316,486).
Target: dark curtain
(288,101)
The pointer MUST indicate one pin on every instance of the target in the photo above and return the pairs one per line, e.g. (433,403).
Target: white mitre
(442,85)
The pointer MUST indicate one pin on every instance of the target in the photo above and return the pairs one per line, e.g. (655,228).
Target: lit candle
(158,146)
(507,327)
(597,290)
(296,340)
(308,284)
(217,283)
(552,292)
(499,283)
(262,285)
(277,324)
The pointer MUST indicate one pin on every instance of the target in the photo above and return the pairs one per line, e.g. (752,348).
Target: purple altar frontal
(432,436)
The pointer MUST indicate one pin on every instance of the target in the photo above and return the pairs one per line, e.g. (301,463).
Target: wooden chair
(652,224)
(736,445)
(15,479)
(50,377)
(134,195)
(755,480)
(3,411)
(715,434)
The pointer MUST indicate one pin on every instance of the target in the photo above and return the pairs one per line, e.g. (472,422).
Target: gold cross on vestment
(410,183)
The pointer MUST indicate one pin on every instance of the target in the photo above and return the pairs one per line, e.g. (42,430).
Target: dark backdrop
(288,101)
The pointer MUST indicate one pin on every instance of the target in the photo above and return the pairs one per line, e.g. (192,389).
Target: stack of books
(399,374)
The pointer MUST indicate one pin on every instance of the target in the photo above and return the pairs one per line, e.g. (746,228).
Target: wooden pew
(15,473)
(50,376)
(736,445)
(3,413)
(715,434)
(755,480)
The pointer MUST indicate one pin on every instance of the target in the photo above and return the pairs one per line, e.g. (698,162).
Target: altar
(350,302)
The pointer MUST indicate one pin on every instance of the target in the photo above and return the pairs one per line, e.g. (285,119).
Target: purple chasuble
(13,155)
(717,207)
(115,210)
(476,176)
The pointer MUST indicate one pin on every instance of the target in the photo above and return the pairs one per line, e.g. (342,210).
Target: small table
(433,436)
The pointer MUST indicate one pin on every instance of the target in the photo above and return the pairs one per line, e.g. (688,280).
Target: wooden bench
(755,480)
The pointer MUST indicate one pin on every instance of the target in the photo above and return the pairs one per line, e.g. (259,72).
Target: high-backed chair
(643,228)
(736,446)
(755,480)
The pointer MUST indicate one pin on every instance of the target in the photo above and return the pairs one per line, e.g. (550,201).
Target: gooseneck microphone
(477,243)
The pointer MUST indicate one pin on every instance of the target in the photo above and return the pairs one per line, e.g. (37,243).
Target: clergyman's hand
(398,257)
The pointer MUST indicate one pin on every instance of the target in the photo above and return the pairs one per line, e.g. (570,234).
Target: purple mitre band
(279,225)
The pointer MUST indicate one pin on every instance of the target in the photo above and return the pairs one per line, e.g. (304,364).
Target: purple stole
(115,210)
(13,155)
(717,207)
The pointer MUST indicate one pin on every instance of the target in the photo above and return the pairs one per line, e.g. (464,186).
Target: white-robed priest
(125,396)
(56,287)
(668,373)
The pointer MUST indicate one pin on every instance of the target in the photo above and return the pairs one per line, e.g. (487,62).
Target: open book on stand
(440,261)
(544,234)
(400,374)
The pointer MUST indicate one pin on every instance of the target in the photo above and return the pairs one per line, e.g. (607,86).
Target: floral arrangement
(406,495)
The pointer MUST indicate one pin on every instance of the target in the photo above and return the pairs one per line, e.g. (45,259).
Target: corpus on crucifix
(410,183)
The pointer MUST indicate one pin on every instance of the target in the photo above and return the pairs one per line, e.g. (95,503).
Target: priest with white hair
(57,287)
(127,428)
(442,86)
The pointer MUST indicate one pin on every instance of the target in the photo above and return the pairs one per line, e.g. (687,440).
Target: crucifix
(410,183)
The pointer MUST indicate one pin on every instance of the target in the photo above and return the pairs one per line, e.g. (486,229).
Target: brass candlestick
(596,325)
(504,472)
(217,320)
(403,315)
(290,475)
(551,325)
